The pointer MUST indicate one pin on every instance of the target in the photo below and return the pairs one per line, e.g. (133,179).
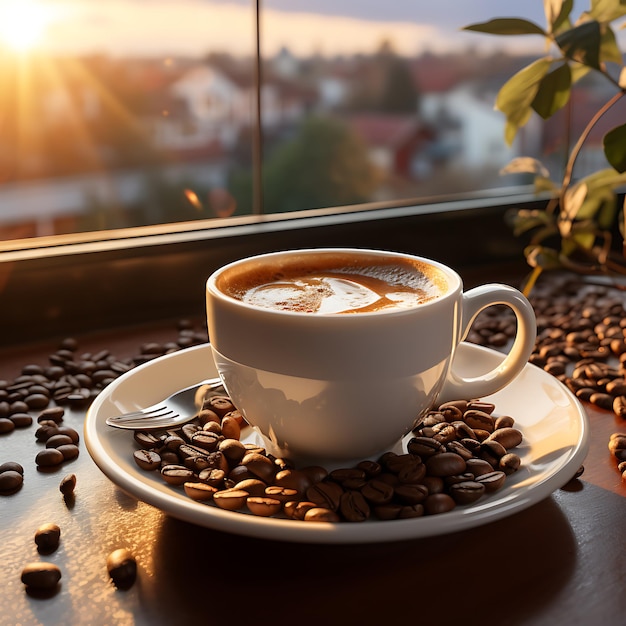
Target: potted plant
(575,228)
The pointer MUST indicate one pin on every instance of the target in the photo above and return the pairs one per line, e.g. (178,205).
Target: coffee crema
(334,283)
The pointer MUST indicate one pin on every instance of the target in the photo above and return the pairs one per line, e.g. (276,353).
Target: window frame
(69,285)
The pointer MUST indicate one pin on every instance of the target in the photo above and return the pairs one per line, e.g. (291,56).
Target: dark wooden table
(561,561)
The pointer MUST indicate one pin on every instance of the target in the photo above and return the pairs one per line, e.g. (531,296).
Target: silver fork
(179,408)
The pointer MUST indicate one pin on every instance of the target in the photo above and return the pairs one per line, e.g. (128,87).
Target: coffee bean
(411,511)
(21,420)
(58,440)
(10,481)
(316,473)
(47,538)
(49,457)
(377,492)
(602,400)
(54,413)
(41,575)
(219,404)
(264,507)
(294,479)
(478,419)
(13,466)
(297,509)
(204,439)
(478,467)
(259,465)
(325,494)
(122,568)
(492,481)
(445,464)
(70,432)
(148,460)
(492,451)
(231,499)
(371,468)
(37,401)
(438,503)
(176,474)
(458,448)
(321,514)
(619,406)
(425,446)
(466,492)
(199,491)
(6,426)
(230,424)
(411,494)
(509,463)
(504,421)
(507,437)
(282,494)
(146,440)
(353,507)
(68,484)
(253,486)
(69,451)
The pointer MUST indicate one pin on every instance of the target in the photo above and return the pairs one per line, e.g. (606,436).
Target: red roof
(385,130)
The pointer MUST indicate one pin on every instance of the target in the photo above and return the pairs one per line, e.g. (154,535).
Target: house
(393,141)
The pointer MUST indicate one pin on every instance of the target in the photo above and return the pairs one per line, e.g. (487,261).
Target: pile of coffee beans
(73,379)
(457,453)
(617,447)
(41,393)
(581,339)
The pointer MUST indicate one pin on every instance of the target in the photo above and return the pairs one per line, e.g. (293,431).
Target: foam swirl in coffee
(333,283)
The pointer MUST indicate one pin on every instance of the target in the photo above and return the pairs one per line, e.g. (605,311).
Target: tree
(325,164)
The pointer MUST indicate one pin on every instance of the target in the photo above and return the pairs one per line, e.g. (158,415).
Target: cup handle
(458,387)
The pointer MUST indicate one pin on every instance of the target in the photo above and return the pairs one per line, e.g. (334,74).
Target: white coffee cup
(348,386)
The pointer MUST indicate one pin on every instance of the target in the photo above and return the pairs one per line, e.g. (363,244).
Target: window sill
(86,283)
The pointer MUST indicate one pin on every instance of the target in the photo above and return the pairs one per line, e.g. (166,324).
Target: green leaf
(609,50)
(582,43)
(607,212)
(525,220)
(543,184)
(525,165)
(606,178)
(615,148)
(507,26)
(607,10)
(519,91)
(557,12)
(554,92)
(578,71)
(592,204)
(515,97)
(583,239)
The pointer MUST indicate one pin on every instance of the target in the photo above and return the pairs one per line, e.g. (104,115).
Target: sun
(23,23)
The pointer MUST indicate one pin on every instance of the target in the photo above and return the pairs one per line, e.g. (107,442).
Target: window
(131,161)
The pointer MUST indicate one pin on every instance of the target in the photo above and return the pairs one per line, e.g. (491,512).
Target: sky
(193,27)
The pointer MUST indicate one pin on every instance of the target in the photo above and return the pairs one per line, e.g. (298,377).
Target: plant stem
(569,170)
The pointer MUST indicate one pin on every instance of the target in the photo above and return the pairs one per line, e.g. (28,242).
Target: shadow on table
(507,570)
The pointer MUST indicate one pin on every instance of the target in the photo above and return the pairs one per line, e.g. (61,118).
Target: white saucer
(553,422)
